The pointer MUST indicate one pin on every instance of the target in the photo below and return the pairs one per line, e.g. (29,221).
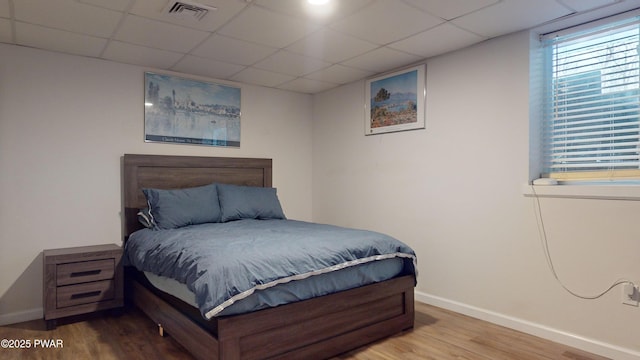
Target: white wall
(66,121)
(454,192)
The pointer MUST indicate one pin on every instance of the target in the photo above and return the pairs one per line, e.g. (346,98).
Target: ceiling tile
(386,21)
(330,45)
(156,34)
(583,5)
(5,11)
(450,9)
(330,12)
(261,77)
(6,34)
(68,15)
(306,85)
(339,74)
(140,55)
(231,50)
(225,10)
(267,27)
(510,16)
(273,42)
(206,67)
(118,5)
(286,62)
(382,60)
(58,40)
(439,40)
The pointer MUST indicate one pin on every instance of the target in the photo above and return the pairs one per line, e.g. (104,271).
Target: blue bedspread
(222,263)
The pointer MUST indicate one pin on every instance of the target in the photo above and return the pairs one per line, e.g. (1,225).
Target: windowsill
(628,192)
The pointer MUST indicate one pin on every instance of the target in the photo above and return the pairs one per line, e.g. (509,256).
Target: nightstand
(81,280)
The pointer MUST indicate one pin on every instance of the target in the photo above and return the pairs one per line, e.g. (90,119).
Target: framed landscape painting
(395,101)
(185,111)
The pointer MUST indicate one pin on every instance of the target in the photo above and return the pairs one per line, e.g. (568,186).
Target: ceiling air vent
(187,10)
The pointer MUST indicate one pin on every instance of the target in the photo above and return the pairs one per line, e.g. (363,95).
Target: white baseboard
(21,316)
(545,332)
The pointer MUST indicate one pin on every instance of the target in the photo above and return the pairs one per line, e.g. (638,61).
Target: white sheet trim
(213,312)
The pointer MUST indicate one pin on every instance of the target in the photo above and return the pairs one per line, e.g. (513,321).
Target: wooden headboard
(174,172)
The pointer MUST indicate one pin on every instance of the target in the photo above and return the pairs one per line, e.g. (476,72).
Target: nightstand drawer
(85,271)
(85,293)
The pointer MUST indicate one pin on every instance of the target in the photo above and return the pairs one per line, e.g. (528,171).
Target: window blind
(591,126)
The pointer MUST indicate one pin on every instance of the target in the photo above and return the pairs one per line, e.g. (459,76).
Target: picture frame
(395,101)
(186,111)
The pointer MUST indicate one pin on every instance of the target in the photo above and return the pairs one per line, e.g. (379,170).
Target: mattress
(224,264)
(344,279)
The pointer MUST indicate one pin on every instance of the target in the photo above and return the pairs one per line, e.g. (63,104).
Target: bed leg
(161,330)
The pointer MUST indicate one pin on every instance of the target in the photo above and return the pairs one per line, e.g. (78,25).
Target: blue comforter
(222,263)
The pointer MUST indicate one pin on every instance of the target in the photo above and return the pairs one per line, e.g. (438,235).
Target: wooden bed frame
(317,328)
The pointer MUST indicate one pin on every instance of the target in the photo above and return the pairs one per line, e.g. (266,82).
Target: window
(591,125)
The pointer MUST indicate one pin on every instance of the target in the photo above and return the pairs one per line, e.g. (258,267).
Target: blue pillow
(248,202)
(145,218)
(171,209)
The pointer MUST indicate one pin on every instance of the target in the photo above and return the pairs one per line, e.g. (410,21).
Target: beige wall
(65,122)
(454,192)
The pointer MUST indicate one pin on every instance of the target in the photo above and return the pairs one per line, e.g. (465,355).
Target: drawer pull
(85,295)
(85,273)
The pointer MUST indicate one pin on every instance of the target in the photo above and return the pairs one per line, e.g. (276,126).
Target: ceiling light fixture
(318,2)
(319,8)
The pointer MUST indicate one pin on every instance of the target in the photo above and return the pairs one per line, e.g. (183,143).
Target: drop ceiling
(284,44)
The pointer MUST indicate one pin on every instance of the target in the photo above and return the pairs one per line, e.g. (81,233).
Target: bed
(315,328)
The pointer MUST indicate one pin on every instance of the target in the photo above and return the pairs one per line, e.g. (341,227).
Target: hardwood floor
(438,334)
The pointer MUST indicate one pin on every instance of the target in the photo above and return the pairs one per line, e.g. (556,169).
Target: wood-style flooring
(438,334)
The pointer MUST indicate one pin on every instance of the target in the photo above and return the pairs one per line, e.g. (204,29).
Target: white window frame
(591,93)
(608,187)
